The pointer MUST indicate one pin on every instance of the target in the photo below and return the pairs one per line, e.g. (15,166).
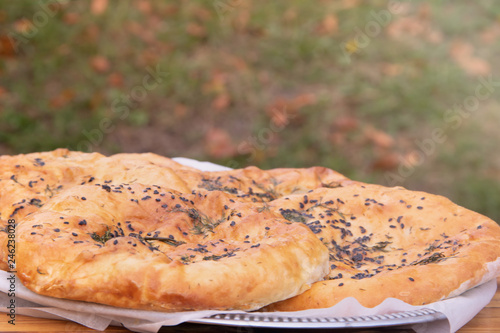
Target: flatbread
(147,247)
(28,181)
(378,242)
(392,242)
(252,184)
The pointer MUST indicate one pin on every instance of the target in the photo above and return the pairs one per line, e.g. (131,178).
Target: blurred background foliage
(405,95)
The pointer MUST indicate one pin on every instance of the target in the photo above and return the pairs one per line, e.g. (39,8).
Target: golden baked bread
(147,247)
(28,181)
(95,228)
(255,185)
(392,242)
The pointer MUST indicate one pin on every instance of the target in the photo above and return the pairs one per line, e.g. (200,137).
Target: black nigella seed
(82,222)
(66,222)
(341,284)
(83,198)
(115,241)
(420,207)
(57,230)
(178,206)
(232,224)
(106,188)
(146,197)
(411,279)
(74,234)
(164,206)
(267,228)
(158,199)
(33,233)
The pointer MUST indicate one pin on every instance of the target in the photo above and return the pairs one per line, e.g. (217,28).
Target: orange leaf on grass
(62,99)
(304,100)
(100,64)
(346,123)
(279,116)
(71,18)
(180,111)
(218,143)
(217,84)
(115,79)
(7,48)
(463,54)
(3,92)
(329,25)
(379,138)
(221,102)
(283,111)
(386,161)
(491,34)
(202,13)
(144,6)
(23,26)
(98,7)
(196,30)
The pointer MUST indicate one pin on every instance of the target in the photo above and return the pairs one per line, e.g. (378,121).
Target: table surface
(488,320)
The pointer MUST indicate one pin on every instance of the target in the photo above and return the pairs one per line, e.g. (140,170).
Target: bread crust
(211,256)
(28,181)
(252,184)
(382,242)
(392,242)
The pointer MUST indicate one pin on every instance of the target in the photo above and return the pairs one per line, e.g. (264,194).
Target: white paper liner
(458,310)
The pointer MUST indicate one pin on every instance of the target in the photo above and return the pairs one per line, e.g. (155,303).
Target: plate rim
(263,320)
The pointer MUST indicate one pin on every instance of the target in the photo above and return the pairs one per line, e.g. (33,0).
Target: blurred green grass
(272,84)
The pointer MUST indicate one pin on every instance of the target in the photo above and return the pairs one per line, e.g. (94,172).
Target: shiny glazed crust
(146,247)
(392,242)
